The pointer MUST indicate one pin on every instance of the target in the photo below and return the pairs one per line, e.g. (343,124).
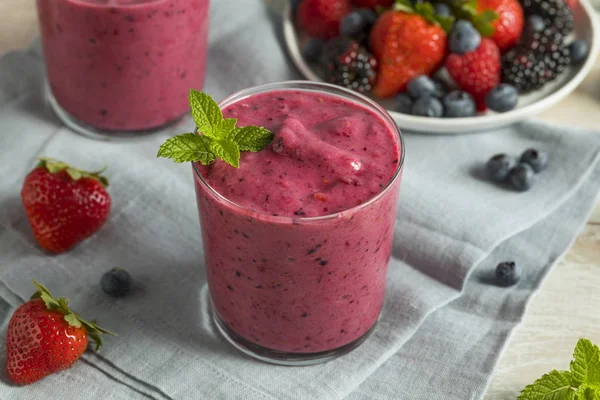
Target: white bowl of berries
(449,67)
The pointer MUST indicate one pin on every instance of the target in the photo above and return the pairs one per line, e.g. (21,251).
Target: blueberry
(312,49)
(352,24)
(579,50)
(369,16)
(459,104)
(463,37)
(535,23)
(521,177)
(403,103)
(499,166)
(508,273)
(442,9)
(538,160)
(421,86)
(427,106)
(503,97)
(116,282)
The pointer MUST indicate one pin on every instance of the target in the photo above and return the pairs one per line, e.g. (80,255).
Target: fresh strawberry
(321,18)
(64,205)
(509,23)
(476,72)
(406,44)
(572,4)
(44,336)
(373,4)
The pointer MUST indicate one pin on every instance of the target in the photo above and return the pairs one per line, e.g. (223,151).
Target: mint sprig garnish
(217,137)
(582,382)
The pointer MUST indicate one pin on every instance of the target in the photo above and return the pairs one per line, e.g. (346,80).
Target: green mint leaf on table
(555,385)
(585,367)
(217,137)
(188,147)
(582,382)
(252,138)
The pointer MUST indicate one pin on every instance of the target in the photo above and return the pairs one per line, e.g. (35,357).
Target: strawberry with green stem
(64,205)
(45,336)
(408,41)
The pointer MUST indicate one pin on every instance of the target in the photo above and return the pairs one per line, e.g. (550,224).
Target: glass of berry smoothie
(122,67)
(297,240)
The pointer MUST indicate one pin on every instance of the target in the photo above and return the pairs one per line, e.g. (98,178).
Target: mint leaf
(252,138)
(587,392)
(207,114)
(227,150)
(228,126)
(585,367)
(187,147)
(555,385)
(218,136)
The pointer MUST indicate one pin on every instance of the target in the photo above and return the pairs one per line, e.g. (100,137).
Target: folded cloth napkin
(443,325)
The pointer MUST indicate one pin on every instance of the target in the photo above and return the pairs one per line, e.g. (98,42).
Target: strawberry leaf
(483,22)
(404,5)
(72,318)
(446,22)
(54,166)
(427,11)
(467,9)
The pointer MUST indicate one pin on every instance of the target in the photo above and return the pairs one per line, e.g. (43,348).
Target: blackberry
(345,63)
(538,59)
(555,13)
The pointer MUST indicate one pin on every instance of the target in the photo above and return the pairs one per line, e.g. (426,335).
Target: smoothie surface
(328,155)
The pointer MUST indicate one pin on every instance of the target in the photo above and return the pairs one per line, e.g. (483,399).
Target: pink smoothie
(276,278)
(124,65)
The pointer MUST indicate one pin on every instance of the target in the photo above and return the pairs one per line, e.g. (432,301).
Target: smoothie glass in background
(305,286)
(122,67)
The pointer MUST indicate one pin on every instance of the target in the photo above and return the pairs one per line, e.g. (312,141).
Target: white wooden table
(567,305)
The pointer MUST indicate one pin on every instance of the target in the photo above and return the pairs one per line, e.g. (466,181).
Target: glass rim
(330,89)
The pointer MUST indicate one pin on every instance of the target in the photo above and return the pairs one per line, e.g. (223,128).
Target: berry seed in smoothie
(298,238)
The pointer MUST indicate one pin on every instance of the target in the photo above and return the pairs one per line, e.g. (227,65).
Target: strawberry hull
(294,264)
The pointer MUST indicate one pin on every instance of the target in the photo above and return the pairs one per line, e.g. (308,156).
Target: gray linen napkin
(443,325)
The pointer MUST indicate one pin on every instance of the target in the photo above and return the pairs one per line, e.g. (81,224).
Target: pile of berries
(452,58)
(519,174)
